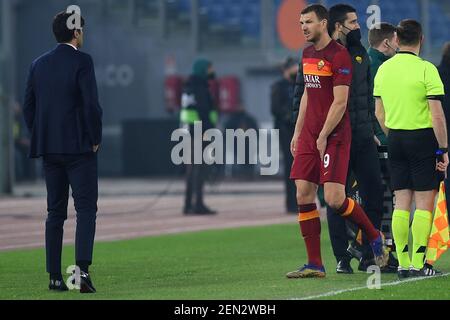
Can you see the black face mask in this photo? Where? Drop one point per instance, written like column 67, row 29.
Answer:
column 354, row 36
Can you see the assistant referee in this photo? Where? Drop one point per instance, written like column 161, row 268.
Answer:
column 408, row 92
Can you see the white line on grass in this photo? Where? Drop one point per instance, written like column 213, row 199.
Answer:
column 387, row 284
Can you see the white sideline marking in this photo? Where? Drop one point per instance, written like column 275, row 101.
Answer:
column 388, row 284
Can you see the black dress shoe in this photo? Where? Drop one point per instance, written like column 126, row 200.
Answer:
column 204, row 210
column 201, row 210
column 188, row 210
column 86, row 285
column 344, row 267
column 57, row 285
column 403, row 274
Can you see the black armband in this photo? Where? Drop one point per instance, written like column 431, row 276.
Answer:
column 438, row 97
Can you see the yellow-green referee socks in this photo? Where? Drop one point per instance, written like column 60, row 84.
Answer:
column 421, row 228
column 400, row 230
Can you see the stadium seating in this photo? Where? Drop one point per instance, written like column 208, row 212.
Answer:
column 236, row 13
column 246, row 15
column 184, row 6
column 394, row 12
column 441, row 25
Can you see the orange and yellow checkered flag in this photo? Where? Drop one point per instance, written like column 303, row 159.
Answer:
column 439, row 237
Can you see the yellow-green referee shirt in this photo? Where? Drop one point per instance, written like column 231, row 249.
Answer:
column 405, row 83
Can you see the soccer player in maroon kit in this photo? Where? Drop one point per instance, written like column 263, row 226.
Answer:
column 322, row 139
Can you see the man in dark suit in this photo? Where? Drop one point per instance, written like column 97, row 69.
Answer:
column 62, row 112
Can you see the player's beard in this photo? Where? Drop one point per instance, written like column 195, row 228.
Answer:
column 316, row 38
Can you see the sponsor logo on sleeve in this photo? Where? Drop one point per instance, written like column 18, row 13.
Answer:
column 344, row 71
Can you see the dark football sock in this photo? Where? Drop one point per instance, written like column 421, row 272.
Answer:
column 352, row 211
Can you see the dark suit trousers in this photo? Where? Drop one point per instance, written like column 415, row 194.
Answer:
column 80, row 173
column 195, row 180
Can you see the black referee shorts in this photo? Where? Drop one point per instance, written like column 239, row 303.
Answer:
column 412, row 160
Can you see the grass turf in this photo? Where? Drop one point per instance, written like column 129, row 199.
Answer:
column 244, row 263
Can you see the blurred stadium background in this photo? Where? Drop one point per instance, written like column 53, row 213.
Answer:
column 143, row 48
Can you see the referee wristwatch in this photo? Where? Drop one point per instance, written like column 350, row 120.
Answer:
column 441, row 151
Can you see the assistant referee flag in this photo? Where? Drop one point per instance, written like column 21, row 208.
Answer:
column 439, row 237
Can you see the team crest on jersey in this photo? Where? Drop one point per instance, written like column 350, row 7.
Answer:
column 359, row 59
column 320, row 65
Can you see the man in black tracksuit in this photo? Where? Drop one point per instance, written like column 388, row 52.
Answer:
column 364, row 160
column 282, row 93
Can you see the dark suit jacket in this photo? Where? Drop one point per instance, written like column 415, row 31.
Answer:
column 61, row 107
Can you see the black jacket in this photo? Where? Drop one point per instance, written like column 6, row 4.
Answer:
column 444, row 71
column 199, row 95
column 281, row 95
column 298, row 93
column 361, row 103
column 61, row 107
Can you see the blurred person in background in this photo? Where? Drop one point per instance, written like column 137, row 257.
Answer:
column 282, row 95
column 444, row 72
column 383, row 45
column 197, row 106
column 64, row 117
column 242, row 120
column 22, row 165
column 364, row 160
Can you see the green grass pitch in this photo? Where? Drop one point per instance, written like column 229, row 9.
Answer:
column 243, row 263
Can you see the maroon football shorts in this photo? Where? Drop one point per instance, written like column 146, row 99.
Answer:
column 308, row 166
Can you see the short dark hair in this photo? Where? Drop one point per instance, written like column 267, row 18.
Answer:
column 379, row 32
column 338, row 13
column 61, row 30
column 409, row 32
column 320, row 11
